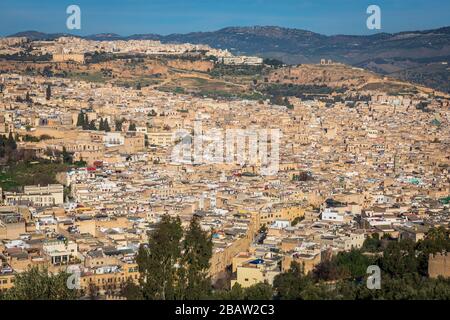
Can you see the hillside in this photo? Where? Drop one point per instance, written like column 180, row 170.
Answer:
column 416, row 56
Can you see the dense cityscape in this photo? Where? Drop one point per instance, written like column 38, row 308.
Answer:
column 145, row 170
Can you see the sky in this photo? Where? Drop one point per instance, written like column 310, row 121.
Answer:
column 126, row 17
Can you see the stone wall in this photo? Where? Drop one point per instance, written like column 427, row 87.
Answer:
column 439, row 265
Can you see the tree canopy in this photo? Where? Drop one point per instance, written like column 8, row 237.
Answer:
column 37, row 284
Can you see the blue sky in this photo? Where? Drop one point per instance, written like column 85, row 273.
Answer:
column 127, row 17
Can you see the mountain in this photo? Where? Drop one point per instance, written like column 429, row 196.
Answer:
column 104, row 37
column 300, row 46
column 148, row 36
column 36, row 35
column 410, row 55
column 254, row 40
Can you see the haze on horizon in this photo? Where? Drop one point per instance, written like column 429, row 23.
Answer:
column 180, row 16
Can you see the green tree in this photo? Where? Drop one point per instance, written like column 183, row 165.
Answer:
column 273, row 62
column 132, row 127
column 101, row 126
column 66, row 156
column 195, row 282
column 290, row 285
column 400, row 264
column 159, row 262
column 80, row 119
column 353, row 263
column 28, row 98
column 236, row 293
column 86, row 122
column 11, row 143
column 259, row 291
column 328, row 270
column 436, row 240
column 399, row 258
column 297, row 220
column 2, row 146
column 92, row 125
column 372, row 243
column 35, row 284
column 131, row 291
column 345, row 265
column 118, row 124
column 263, row 229
column 106, row 126
column 48, row 93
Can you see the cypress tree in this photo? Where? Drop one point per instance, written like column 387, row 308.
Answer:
column 28, row 98
column 172, row 268
column 106, row 126
column 11, row 143
column 80, row 120
column 48, row 93
column 67, row 157
column 86, row 122
column 158, row 263
column 197, row 247
column 2, row 146
column 92, row 125
column 119, row 125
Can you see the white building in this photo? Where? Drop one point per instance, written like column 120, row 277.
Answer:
column 60, row 252
column 331, row 214
column 113, row 138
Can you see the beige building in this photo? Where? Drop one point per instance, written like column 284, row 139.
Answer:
column 66, row 57
column 307, row 260
column 12, row 224
column 6, row 281
column 39, row 196
column 109, row 281
column 253, row 271
column 160, row 138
